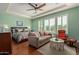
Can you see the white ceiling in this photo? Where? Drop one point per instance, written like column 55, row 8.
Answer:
column 3, row 7
column 22, row 8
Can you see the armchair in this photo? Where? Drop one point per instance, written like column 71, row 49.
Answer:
column 62, row 34
column 68, row 40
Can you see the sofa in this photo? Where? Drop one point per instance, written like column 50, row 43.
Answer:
column 37, row 39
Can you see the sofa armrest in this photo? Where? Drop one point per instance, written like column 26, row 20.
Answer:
column 33, row 40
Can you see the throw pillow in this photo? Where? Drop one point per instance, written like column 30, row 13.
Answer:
column 37, row 34
column 41, row 33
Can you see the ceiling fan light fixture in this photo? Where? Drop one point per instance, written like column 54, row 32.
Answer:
column 36, row 6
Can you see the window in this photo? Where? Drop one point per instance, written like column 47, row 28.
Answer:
column 52, row 25
column 62, row 23
column 46, row 25
column 64, row 20
column 40, row 25
column 59, row 23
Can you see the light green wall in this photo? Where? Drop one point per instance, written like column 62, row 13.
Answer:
column 73, row 21
column 10, row 19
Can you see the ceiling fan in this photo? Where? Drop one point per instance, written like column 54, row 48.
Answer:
column 36, row 6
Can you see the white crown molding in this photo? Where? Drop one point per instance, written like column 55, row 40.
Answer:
column 54, row 11
column 14, row 13
column 11, row 12
column 63, row 7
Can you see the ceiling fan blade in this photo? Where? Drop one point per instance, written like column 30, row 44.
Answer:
column 40, row 9
column 41, row 6
column 31, row 5
column 29, row 9
column 35, row 11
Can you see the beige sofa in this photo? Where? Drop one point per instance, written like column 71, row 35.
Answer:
column 38, row 39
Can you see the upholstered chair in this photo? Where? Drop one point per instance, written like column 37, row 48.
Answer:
column 62, row 34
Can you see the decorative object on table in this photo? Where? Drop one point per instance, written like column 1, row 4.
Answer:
column 19, row 23
column 6, row 28
column 56, row 39
column 1, row 29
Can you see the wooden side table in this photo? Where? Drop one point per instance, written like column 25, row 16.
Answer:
column 71, row 41
column 77, row 47
column 5, row 43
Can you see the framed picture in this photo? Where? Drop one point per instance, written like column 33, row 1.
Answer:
column 19, row 23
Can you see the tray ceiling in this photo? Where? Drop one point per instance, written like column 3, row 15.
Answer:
column 22, row 9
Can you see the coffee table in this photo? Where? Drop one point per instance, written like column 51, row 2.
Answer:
column 57, row 44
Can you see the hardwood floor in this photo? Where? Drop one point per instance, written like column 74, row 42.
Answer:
column 23, row 49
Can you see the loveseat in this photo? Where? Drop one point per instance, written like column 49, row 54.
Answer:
column 37, row 39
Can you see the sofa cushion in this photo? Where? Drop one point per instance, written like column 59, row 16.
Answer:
column 48, row 36
column 46, row 33
column 37, row 34
column 32, row 34
column 41, row 33
column 44, row 37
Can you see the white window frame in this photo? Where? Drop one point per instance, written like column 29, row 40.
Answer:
column 62, row 22
column 45, row 29
column 39, row 25
column 42, row 25
column 52, row 22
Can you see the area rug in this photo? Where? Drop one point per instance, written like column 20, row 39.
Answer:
column 46, row 50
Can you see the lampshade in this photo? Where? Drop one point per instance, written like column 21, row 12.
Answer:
column 5, row 26
column 29, row 28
